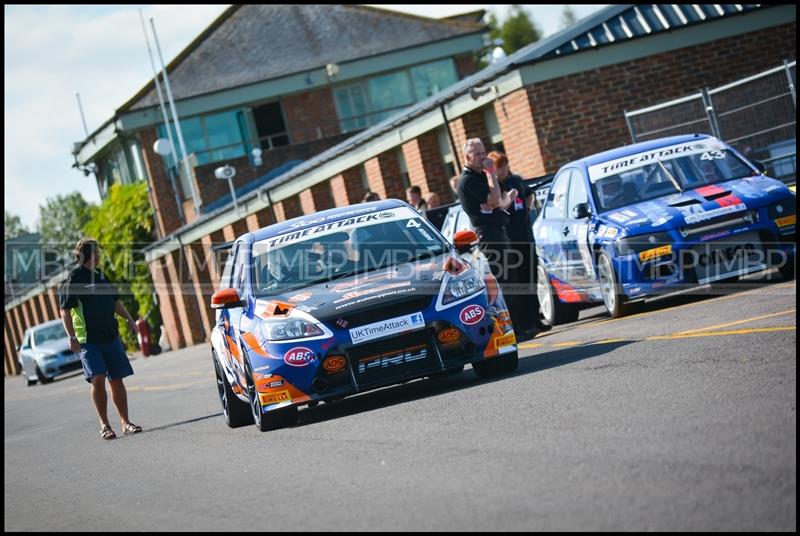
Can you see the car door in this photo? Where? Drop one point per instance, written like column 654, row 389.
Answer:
column 228, row 319
column 549, row 228
column 575, row 235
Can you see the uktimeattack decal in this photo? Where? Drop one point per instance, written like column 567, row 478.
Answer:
column 298, row 357
column 471, row 314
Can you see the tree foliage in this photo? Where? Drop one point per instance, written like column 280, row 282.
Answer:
column 568, row 17
column 122, row 226
column 516, row 31
column 61, row 220
column 13, row 226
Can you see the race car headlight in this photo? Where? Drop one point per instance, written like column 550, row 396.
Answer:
column 462, row 286
column 633, row 245
column 294, row 328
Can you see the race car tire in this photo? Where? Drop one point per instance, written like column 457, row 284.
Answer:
column 787, row 270
column 29, row 382
column 42, row 378
column 502, row 364
column 236, row 412
column 554, row 311
column 614, row 299
column 271, row 420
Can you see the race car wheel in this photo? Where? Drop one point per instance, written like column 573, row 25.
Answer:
column 29, row 382
column 236, row 412
column 610, row 288
column 787, row 270
column 553, row 310
column 271, row 420
column 502, row 364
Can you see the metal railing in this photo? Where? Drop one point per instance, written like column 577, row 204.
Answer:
column 756, row 115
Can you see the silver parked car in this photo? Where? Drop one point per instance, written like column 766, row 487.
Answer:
column 45, row 353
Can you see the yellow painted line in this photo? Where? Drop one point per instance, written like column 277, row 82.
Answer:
column 567, row 343
column 611, row 341
column 721, row 333
column 530, row 345
column 700, row 302
column 753, row 319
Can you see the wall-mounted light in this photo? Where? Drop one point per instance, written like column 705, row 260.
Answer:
column 332, row 70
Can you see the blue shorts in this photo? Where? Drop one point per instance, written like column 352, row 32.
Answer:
column 105, row 358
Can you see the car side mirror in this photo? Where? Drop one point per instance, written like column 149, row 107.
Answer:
column 465, row 240
column 225, row 299
column 760, row 166
column 581, row 211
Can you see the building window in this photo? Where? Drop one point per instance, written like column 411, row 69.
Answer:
column 136, row 158
column 362, row 173
column 211, row 138
column 401, row 162
column 370, row 101
column 447, row 152
column 270, row 126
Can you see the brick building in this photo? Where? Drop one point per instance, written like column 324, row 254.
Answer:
column 549, row 103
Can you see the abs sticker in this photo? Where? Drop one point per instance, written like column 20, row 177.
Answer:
column 471, row 314
column 298, row 357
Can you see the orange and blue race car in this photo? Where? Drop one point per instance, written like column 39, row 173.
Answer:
column 347, row 300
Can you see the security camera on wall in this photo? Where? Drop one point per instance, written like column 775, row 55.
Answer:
column 225, row 172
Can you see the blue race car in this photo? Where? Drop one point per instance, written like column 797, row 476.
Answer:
column 348, row 300
column 657, row 217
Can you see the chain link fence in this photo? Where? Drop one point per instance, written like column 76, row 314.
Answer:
column 756, row 115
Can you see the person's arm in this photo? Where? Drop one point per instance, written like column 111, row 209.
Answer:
column 119, row 308
column 66, row 319
column 494, row 197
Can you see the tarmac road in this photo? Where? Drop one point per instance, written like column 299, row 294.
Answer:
column 680, row 417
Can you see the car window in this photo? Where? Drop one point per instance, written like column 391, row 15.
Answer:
column 556, row 205
column 227, row 274
column 50, row 333
column 577, row 192
column 239, row 272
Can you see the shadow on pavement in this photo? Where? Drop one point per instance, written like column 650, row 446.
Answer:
column 428, row 387
column 180, row 423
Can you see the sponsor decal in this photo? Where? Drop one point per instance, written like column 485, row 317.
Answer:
column 650, row 254
column 618, row 217
column 334, row 364
column 383, row 328
column 389, row 359
column 277, row 383
column 358, row 293
column 393, row 292
column 274, row 398
column 299, row 356
column 611, row 232
column 449, row 335
column 709, row 214
column 303, row 296
column 340, row 225
column 259, row 369
column 626, row 163
column 471, row 314
column 712, row 236
column 786, row 221
column 304, row 223
column 342, row 323
column 505, row 340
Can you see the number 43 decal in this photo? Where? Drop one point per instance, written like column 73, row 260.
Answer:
column 413, row 224
column 711, row 155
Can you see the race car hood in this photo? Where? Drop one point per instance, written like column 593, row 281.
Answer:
column 53, row 347
column 706, row 203
column 362, row 291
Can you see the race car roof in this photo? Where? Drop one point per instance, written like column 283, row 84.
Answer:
column 621, row 152
column 329, row 215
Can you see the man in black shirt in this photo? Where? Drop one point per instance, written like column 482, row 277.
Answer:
column 88, row 302
column 520, row 234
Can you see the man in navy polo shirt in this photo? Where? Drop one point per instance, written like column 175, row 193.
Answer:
column 88, row 302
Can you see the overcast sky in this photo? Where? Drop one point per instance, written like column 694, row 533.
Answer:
column 53, row 52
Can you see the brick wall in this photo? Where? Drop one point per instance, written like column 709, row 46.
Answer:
column 582, row 114
column 347, row 188
column 515, row 117
column 162, row 195
column 383, row 176
column 426, row 167
column 465, row 65
column 310, row 116
column 469, row 125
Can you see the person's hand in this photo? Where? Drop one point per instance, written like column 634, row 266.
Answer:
column 132, row 326
column 74, row 345
column 488, row 165
column 512, row 193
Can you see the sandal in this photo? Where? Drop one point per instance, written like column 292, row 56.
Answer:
column 131, row 428
column 107, row 433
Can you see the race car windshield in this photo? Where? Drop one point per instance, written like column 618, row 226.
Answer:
column 658, row 177
column 324, row 257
